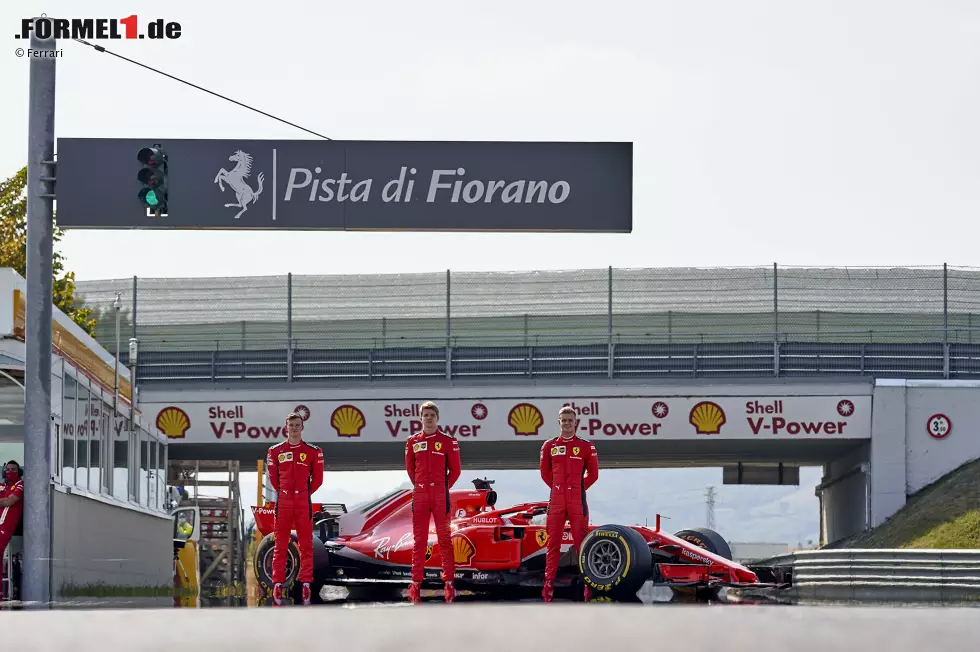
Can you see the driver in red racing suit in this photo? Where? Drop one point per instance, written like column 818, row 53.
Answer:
column 569, row 466
column 296, row 472
column 433, row 465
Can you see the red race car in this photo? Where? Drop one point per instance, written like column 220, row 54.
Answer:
column 498, row 551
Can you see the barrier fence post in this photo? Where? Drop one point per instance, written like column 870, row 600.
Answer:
column 40, row 276
column 609, row 350
column 289, row 327
column 775, row 320
column 945, row 322
column 449, row 350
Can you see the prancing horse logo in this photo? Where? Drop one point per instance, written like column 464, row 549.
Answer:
column 236, row 180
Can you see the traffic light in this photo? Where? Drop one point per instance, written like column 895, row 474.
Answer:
column 153, row 176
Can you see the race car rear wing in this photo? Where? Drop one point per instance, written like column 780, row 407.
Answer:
column 330, row 509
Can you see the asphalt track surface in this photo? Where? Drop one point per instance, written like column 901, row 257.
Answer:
column 477, row 627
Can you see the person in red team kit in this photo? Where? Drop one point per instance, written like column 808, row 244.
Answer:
column 296, row 472
column 569, row 466
column 433, row 465
column 11, row 502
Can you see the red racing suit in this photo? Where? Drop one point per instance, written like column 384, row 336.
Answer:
column 296, row 472
column 569, row 467
column 433, row 466
column 10, row 516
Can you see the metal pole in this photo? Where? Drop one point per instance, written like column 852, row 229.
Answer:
column 449, row 352
column 133, row 317
column 40, row 277
column 117, row 304
column 945, row 305
column 609, row 314
column 289, row 327
column 775, row 302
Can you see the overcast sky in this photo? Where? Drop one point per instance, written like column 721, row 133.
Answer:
column 821, row 133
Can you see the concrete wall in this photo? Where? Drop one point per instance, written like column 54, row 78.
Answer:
column 98, row 543
column 888, row 455
column 843, row 493
column 929, row 457
column 907, row 454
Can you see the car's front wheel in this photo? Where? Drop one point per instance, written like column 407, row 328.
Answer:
column 614, row 561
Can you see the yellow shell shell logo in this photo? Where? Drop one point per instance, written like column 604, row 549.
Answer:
column 348, row 421
column 173, row 422
column 525, row 419
column 541, row 536
column 707, row 417
column 463, row 550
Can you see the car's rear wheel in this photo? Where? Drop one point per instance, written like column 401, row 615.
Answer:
column 262, row 562
column 614, row 561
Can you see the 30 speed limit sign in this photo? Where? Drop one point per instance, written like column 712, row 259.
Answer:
column 939, row 426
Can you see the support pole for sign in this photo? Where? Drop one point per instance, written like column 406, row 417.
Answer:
column 36, row 578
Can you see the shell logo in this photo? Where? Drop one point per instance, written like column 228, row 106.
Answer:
column 707, row 417
column 525, row 419
column 173, row 422
column 348, row 421
column 463, row 550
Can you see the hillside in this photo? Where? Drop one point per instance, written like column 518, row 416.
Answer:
column 944, row 515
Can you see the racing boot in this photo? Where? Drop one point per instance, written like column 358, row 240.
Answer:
column 414, row 593
column 450, row 592
column 277, row 594
column 307, row 594
column 548, row 592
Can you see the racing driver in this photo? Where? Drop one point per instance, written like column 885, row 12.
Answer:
column 296, row 472
column 433, row 465
column 569, row 466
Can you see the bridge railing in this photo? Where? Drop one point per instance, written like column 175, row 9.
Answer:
column 909, row 353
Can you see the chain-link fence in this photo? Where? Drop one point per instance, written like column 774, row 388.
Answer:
column 543, row 308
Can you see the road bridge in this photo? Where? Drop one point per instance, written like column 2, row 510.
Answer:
column 808, row 366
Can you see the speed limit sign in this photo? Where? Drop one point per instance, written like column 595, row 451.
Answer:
column 939, row 426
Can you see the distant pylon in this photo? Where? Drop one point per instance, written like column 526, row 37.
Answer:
column 710, row 502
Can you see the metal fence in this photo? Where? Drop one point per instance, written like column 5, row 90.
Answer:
column 778, row 320
column 883, row 575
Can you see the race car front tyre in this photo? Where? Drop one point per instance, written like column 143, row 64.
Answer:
column 262, row 562
column 707, row 539
column 614, row 561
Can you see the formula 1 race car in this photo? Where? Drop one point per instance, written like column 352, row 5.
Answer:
column 499, row 551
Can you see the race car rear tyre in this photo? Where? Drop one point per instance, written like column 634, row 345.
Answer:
column 262, row 562
column 614, row 561
column 707, row 539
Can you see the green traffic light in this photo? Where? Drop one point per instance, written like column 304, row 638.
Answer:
column 151, row 198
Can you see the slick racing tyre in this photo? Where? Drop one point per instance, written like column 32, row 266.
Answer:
column 707, row 539
column 262, row 562
column 614, row 561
